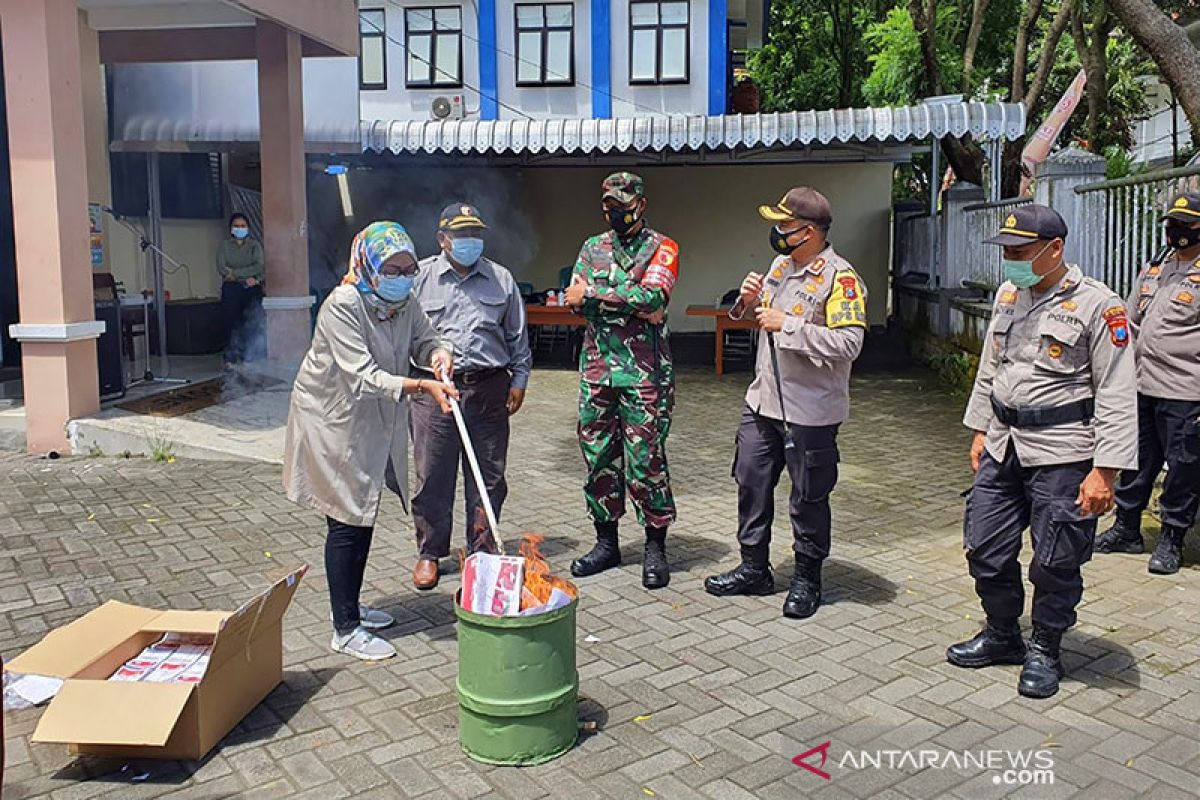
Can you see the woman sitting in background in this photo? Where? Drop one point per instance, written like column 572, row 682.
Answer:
column 241, row 267
column 347, row 433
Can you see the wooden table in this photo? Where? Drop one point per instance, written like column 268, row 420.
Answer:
column 724, row 323
column 537, row 315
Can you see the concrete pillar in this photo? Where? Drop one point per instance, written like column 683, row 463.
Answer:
column 95, row 127
column 49, row 188
column 1057, row 178
column 285, row 207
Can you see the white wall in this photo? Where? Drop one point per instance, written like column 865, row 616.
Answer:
column 548, row 101
column 1152, row 136
column 192, row 242
column 539, row 217
column 399, row 103
column 689, row 98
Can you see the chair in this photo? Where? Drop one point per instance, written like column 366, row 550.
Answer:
column 564, row 276
column 526, row 290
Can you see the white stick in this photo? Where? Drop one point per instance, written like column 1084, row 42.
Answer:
column 483, row 492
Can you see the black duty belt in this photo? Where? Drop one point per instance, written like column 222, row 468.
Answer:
column 1044, row 416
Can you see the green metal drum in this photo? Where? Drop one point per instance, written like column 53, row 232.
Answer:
column 517, row 686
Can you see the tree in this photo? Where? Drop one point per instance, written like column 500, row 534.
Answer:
column 1167, row 43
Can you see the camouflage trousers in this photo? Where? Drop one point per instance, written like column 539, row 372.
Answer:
column 623, row 435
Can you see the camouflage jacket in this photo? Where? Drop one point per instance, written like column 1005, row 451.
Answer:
column 626, row 280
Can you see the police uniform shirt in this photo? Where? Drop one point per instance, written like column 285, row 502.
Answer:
column 1165, row 311
column 826, row 322
column 1067, row 345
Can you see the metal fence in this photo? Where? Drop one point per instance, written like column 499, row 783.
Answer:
column 967, row 259
column 1124, row 219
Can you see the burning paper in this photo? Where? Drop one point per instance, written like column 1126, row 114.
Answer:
column 509, row 586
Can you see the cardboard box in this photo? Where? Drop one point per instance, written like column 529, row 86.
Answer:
column 144, row 719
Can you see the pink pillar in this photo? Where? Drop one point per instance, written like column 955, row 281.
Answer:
column 42, row 77
column 285, row 208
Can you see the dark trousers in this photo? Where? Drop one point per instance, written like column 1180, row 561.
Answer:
column 346, row 549
column 1168, row 433
column 438, row 455
column 241, row 306
column 812, row 466
column 1006, row 499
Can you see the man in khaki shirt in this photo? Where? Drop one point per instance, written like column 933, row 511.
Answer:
column 1165, row 311
column 1054, row 415
column 812, row 307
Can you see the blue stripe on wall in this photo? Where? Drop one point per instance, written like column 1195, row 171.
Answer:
column 489, row 107
column 718, row 56
column 601, row 59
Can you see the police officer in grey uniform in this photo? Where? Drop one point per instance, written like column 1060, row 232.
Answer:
column 1165, row 313
column 1053, row 410
column 811, row 305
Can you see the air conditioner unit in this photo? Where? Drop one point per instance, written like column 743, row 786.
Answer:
column 451, row 107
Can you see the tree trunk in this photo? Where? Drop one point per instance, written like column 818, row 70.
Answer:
column 1021, row 50
column 925, row 22
column 1168, row 45
column 1046, row 63
column 1093, row 55
column 978, row 10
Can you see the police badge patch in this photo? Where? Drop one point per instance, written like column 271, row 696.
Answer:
column 1118, row 326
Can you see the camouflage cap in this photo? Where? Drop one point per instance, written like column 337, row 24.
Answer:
column 624, row 187
column 1185, row 208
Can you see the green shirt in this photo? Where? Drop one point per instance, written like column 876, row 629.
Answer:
column 244, row 259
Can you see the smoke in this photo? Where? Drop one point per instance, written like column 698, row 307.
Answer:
column 414, row 196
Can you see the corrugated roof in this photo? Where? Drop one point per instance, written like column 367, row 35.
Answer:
column 692, row 133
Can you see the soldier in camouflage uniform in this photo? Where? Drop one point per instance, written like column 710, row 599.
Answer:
column 621, row 285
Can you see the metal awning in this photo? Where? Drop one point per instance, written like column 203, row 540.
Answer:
column 679, row 133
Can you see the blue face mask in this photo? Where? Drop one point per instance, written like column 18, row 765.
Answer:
column 1021, row 273
column 394, row 288
column 240, row 233
column 466, row 251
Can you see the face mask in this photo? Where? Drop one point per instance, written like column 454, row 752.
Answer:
column 622, row 220
column 1021, row 272
column 1181, row 238
column 466, row 251
column 240, row 233
column 394, row 288
column 780, row 244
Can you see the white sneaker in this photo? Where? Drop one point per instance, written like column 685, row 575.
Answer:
column 372, row 618
column 361, row 643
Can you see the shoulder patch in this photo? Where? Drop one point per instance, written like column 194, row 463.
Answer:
column 1153, row 270
column 664, row 267
column 845, row 306
column 1008, row 297
column 1118, row 325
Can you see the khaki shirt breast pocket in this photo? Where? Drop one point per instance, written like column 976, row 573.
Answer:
column 1001, row 328
column 1183, row 307
column 1062, row 347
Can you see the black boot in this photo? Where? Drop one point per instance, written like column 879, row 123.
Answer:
column 804, row 596
column 656, row 573
column 999, row 642
column 1043, row 667
column 1168, row 553
column 752, row 576
column 605, row 555
column 1125, row 536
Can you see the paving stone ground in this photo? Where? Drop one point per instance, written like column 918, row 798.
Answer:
column 696, row 696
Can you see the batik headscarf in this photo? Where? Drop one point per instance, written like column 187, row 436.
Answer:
column 373, row 246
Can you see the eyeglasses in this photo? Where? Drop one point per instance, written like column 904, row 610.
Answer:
column 395, row 272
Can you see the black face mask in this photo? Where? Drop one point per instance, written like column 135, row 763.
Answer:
column 780, row 244
column 1181, row 237
column 622, row 220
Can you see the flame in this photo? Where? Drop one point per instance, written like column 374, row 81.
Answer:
column 539, row 583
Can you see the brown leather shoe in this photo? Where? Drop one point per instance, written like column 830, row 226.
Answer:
column 425, row 574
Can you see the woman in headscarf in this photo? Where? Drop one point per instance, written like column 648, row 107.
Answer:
column 347, row 433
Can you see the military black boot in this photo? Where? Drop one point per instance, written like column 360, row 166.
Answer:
column 999, row 642
column 752, row 576
column 804, row 596
column 656, row 573
column 605, row 555
column 1168, row 553
column 1125, row 536
column 1043, row 667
